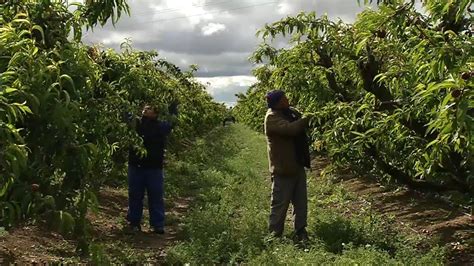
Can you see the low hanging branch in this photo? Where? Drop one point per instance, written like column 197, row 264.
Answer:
column 405, row 179
column 369, row 70
column 326, row 62
column 397, row 29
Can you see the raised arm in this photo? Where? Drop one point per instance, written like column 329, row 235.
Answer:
column 277, row 125
column 165, row 127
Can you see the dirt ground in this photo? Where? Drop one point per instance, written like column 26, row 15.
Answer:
column 31, row 244
column 448, row 225
column 424, row 214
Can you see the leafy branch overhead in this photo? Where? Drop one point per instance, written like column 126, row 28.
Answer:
column 63, row 110
column 392, row 92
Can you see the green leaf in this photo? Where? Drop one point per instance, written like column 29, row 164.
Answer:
column 361, row 45
column 21, row 20
column 67, row 222
column 40, row 30
column 8, row 90
column 6, row 185
column 358, row 134
column 68, row 79
column 67, row 98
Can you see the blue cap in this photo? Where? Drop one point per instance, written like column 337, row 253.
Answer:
column 273, row 97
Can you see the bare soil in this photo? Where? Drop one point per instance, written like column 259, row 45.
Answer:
column 429, row 215
column 423, row 214
column 31, row 244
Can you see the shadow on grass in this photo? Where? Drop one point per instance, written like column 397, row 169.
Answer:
column 338, row 232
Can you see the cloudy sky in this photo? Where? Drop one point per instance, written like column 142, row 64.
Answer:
column 217, row 35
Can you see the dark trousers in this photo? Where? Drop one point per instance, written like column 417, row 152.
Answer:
column 151, row 180
column 285, row 190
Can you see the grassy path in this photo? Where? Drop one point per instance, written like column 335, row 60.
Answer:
column 228, row 219
column 218, row 195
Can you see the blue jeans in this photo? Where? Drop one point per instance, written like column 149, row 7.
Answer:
column 150, row 179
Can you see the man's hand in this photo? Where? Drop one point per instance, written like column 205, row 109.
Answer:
column 127, row 117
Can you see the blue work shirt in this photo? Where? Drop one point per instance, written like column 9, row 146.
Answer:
column 154, row 134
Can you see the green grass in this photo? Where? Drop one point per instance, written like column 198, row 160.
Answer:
column 228, row 177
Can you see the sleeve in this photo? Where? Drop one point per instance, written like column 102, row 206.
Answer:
column 129, row 119
column 296, row 113
column 275, row 124
column 164, row 128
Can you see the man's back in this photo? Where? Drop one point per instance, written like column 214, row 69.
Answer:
column 281, row 134
column 154, row 134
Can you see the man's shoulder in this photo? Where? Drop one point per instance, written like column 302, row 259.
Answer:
column 269, row 113
column 274, row 113
column 273, row 116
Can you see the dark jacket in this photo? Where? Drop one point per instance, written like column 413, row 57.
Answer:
column 154, row 134
column 301, row 140
column 288, row 150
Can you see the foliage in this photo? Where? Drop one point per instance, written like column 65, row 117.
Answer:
column 62, row 129
column 391, row 94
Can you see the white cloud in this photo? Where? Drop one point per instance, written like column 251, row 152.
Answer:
column 223, row 89
column 284, row 8
column 191, row 10
column 230, row 104
column 115, row 38
column 226, row 84
column 217, row 35
column 212, row 28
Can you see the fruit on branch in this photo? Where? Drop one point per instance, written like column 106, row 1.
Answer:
column 456, row 93
column 34, row 187
column 381, row 34
column 467, row 75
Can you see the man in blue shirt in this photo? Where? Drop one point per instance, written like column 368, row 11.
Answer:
column 146, row 172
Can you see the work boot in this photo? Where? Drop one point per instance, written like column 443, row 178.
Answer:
column 301, row 237
column 132, row 229
column 159, row 230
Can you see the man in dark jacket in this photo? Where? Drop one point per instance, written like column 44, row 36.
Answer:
column 288, row 155
column 146, row 172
